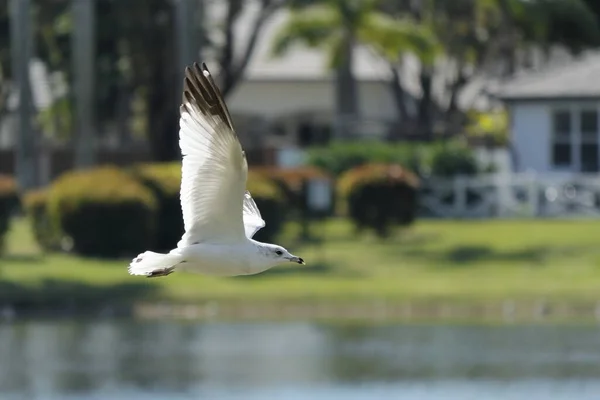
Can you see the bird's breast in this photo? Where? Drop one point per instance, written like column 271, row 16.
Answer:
column 219, row 259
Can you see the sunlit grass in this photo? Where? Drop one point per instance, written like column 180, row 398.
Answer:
column 434, row 260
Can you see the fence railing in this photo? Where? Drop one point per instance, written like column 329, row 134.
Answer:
column 512, row 195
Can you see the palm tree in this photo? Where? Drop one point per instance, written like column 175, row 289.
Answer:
column 338, row 26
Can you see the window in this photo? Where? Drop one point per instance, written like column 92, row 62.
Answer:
column 589, row 140
column 589, row 157
column 561, row 139
column 310, row 134
column 588, row 122
column 575, row 139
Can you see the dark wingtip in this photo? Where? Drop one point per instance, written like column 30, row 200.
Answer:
column 200, row 88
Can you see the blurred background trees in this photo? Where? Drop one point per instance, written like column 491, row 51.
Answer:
column 137, row 79
column 141, row 47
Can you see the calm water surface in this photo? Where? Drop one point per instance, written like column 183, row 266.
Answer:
column 128, row 360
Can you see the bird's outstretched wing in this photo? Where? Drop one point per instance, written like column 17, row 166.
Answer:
column 214, row 167
column 252, row 219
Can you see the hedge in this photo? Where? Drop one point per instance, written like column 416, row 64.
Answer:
column 113, row 212
column 292, row 181
column 379, row 196
column 339, row 157
column 444, row 158
column 271, row 202
column 104, row 211
column 164, row 180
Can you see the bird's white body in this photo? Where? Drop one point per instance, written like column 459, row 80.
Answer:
column 219, row 214
column 206, row 258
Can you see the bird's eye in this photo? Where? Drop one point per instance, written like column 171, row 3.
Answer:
column 279, row 252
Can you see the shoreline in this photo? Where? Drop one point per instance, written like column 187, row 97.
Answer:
column 424, row 311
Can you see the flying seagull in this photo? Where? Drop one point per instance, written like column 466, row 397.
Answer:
column 220, row 217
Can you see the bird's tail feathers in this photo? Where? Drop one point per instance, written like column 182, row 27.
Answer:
column 153, row 264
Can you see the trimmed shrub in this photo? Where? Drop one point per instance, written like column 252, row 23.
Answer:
column 164, row 180
column 36, row 208
column 379, row 196
column 452, row 158
column 270, row 201
column 444, row 158
column 9, row 201
column 342, row 156
column 291, row 181
column 104, row 211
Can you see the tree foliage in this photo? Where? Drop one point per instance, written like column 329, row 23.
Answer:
column 338, row 27
column 454, row 41
column 136, row 75
column 489, row 38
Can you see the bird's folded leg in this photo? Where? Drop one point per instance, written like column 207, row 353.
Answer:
column 161, row 272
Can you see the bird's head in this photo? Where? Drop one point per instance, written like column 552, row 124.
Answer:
column 278, row 254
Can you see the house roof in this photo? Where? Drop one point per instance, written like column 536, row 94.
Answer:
column 577, row 79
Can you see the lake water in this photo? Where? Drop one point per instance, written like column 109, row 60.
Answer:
column 129, row 360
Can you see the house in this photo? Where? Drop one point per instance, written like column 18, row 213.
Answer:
column 554, row 117
column 289, row 101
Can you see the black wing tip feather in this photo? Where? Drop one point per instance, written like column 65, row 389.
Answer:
column 200, row 89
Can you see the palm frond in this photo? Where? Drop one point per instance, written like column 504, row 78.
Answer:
column 392, row 37
column 311, row 26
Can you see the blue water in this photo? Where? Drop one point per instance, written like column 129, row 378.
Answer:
column 129, row 360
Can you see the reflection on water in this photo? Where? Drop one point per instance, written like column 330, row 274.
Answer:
column 178, row 360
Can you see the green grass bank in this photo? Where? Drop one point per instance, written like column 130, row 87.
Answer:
column 524, row 269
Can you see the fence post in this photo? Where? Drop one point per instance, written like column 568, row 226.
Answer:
column 504, row 195
column 532, row 194
column 460, row 196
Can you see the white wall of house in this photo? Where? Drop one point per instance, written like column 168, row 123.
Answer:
column 274, row 99
column 530, row 135
column 560, row 137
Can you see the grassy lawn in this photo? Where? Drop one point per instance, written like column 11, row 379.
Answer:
column 453, row 261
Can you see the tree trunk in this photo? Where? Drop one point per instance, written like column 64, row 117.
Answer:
column 400, row 98
column 163, row 95
column 163, row 116
column 399, row 95
column 426, row 103
column 232, row 68
column 345, row 90
column 123, row 115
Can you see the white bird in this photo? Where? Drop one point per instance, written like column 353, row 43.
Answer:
column 220, row 217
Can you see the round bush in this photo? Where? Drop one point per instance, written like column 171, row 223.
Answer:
column 104, row 211
column 379, row 196
column 9, row 201
column 164, row 180
column 270, row 201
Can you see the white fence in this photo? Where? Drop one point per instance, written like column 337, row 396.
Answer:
column 512, row 195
